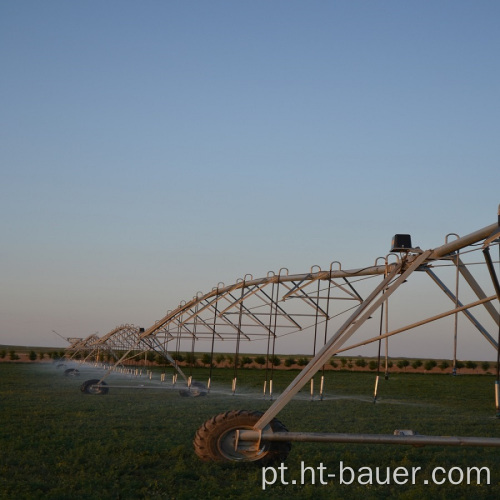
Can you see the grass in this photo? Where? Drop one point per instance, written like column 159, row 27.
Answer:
column 58, row 443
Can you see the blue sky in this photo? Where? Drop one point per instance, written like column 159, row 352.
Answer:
column 152, row 149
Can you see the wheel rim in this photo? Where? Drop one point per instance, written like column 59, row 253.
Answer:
column 94, row 389
column 247, row 451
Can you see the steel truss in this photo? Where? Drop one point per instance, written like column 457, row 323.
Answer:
column 329, row 305
column 81, row 347
column 226, row 441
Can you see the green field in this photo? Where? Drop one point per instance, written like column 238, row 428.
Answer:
column 58, row 443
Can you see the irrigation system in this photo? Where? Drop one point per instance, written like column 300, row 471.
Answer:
column 339, row 310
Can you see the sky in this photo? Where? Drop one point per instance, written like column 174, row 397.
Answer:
column 152, row 149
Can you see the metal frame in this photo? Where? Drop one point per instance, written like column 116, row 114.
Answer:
column 281, row 304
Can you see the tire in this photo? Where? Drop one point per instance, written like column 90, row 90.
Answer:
column 71, row 372
column 196, row 389
column 93, row 387
column 214, row 440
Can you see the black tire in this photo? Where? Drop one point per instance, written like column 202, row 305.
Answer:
column 93, row 387
column 196, row 389
column 71, row 372
column 214, row 440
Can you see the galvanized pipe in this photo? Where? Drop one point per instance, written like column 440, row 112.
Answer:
column 414, row 440
column 463, row 242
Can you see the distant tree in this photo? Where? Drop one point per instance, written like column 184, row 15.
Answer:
column 485, row 366
column 159, row 359
column 417, row 364
column 220, row 358
column 61, row 354
column 3, row 353
column 13, row 356
column 260, row 360
column 206, row 359
column 246, row 360
column 191, row 358
column 444, row 365
column 302, row 361
column 333, row 363
column 471, row 365
column 343, row 362
column 402, row 364
column 150, row 356
column 289, row 362
column 41, row 355
column 32, row 356
column 429, row 365
column 459, row 365
column 275, row 360
column 229, row 358
column 177, row 356
column 373, row 365
column 390, row 364
column 361, row 362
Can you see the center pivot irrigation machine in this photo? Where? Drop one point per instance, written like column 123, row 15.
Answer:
column 332, row 307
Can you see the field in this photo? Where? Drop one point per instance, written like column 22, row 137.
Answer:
column 58, row 443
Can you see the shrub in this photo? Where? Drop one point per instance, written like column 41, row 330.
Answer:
column 3, row 353
column 32, row 356
column 177, row 356
column 443, row 365
column 41, row 355
column 343, row 362
column 246, row 360
column 402, row 364
column 206, row 359
column 220, row 358
column 429, row 365
column 471, row 365
column 13, row 356
column 333, row 363
column 361, row 362
column 275, row 360
column 302, row 361
column 191, row 358
column 260, row 360
column 459, row 365
column 485, row 366
column 289, row 362
column 150, row 356
column 373, row 365
column 416, row 364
